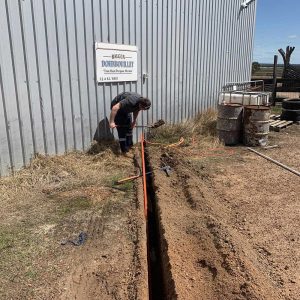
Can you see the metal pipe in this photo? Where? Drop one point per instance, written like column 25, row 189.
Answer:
column 275, row 161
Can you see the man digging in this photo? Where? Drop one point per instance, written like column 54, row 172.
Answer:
column 120, row 117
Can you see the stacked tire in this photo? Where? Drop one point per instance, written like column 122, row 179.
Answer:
column 291, row 110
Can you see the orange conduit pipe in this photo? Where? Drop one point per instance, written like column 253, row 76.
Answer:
column 144, row 175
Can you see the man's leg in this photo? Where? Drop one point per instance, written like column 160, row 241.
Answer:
column 124, row 131
column 122, row 127
column 122, row 139
column 129, row 142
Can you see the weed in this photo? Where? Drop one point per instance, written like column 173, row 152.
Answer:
column 110, row 181
column 73, row 204
column 6, row 240
column 31, row 274
column 127, row 186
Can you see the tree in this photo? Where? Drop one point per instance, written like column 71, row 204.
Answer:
column 286, row 58
column 255, row 67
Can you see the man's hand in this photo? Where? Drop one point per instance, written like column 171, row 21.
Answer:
column 112, row 116
column 133, row 124
column 112, row 125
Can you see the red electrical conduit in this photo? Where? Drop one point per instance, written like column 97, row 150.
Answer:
column 144, row 176
column 154, row 287
column 146, row 209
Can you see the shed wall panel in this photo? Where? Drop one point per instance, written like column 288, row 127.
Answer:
column 50, row 101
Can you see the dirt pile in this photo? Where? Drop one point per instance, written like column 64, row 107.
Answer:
column 230, row 219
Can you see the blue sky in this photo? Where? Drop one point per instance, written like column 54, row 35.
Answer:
column 277, row 26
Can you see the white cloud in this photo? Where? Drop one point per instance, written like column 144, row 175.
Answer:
column 293, row 36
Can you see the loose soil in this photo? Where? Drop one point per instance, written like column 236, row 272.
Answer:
column 229, row 222
column 230, row 219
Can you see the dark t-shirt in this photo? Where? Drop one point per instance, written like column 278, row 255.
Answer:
column 129, row 102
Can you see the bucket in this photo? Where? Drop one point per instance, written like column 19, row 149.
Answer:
column 256, row 125
column 229, row 123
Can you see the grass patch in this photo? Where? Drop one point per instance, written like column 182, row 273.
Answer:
column 42, row 204
column 31, row 274
column 16, row 247
column 125, row 187
column 276, row 110
column 203, row 126
column 73, row 204
column 16, row 236
column 6, row 240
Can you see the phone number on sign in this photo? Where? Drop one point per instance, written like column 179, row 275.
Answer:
column 108, row 78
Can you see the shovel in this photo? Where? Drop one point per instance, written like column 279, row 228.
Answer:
column 154, row 125
column 167, row 169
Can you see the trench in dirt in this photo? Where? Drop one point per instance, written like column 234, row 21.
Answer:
column 160, row 282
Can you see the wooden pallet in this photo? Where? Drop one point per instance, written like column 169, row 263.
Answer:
column 274, row 117
column 277, row 125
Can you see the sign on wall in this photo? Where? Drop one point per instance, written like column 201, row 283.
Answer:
column 115, row 62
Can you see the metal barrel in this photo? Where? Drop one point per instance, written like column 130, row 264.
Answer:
column 256, row 125
column 229, row 123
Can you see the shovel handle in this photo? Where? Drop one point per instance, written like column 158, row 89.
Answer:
column 138, row 126
column 127, row 179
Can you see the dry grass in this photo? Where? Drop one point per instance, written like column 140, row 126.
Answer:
column 50, row 200
column 202, row 129
column 64, row 172
column 54, row 185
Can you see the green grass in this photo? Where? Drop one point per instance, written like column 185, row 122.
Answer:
column 31, row 274
column 72, row 205
column 16, row 246
column 6, row 240
column 276, row 110
column 125, row 187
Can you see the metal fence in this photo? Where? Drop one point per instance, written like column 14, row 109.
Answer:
column 50, row 101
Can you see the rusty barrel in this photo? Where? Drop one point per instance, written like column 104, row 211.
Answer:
column 256, row 125
column 229, row 123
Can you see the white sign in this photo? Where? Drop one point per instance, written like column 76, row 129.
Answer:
column 116, row 62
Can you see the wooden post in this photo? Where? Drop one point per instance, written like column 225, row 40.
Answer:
column 274, row 80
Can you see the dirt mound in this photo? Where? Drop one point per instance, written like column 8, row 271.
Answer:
column 229, row 220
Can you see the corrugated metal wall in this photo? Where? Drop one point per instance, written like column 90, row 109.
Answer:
column 49, row 100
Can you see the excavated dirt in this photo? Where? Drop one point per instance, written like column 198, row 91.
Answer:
column 230, row 220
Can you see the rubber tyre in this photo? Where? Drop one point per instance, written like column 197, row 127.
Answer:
column 290, row 114
column 291, row 103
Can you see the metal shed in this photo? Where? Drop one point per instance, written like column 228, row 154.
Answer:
column 50, row 101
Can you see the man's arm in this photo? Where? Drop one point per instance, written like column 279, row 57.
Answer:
column 135, row 115
column 113, row 114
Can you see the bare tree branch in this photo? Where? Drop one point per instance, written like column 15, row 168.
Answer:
column 282, row 54
column 286, row 56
